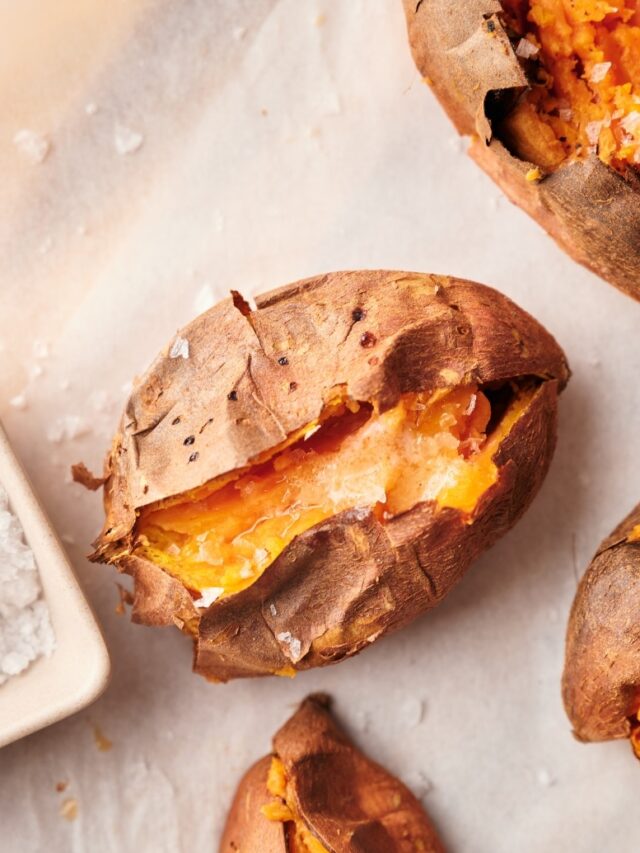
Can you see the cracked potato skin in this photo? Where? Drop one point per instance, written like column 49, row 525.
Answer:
column 591, row 210
column 348, row 802
column 601, row 681
column 348, row 580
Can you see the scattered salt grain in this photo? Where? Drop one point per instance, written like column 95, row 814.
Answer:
column 420, row 784
column 413, row 711
column 599, row 72
column 566, row 114
column 593, row 131
column 544, row 778
column 126, row 140
column 272, row 609
column 67, row 428
column 208, row 595
column 19, row 401
column 35, row 371
column 25, row 626
column 91, row 108
column 363, row 721
column 631, row 121
column 204, row 299
column 239, row 33
column 526, row 49
column 180, row 348
column 292, row 643
column 33, row 146
column 64, row 385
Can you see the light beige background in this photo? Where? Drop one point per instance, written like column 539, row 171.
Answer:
column 283, row 138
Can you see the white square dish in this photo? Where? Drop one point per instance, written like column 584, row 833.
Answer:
column 77, row 672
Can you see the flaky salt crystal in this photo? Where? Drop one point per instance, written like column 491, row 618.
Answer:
column 91, row 108
column 593, row 131
column 419, row 783
column 631, row 121
column 526, row 49
column 19, row 401
column 180, row 348
column 599, row 72
column 34, row 146
column 544, row 778
column 126, row 140
column 292, row 643
column 208, row 595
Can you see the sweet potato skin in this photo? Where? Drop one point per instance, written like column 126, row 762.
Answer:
column 601, row 680
column 246, row 829
column 348, row 802
column 592, row 211
column 348, row 580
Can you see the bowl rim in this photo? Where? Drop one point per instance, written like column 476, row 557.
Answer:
column 78, row 670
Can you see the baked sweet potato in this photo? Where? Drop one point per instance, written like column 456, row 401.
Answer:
column 601, row 681
column 549, row 92
column 292, row 482
column 318, row 793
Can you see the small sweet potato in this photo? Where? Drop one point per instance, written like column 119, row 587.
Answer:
column 318, row 793
column 548, row 92
column 292, row 482
column 601, row 681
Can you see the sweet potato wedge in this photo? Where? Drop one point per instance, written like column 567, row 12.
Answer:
column 555, row 123
column 292, row 482
column 601, row 681
column 317, row 793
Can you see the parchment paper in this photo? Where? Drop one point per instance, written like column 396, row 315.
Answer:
column 281, row 138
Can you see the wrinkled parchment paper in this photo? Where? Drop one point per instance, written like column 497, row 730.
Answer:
column 177, row 150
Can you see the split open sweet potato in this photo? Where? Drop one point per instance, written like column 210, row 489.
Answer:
column 317, row 793
column 549, row 91
column 292, row 482
column 601, row 682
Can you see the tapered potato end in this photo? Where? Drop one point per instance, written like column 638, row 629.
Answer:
column 601, row 681
column 331, row 798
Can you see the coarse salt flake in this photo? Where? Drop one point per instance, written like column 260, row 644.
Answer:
column 126, row 140
column 630, row 122
column 33, row 146
column 526, row 49
column 25, row 626
column 19, row 401
column 180, row 348
column 208, row 595
column 593, row 131
column 292, row 643
column 599, row 72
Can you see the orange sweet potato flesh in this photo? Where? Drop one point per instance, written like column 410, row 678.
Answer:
column 318, row 793
column 601, row 681
column 324, row 468
column 548, row 90
column 584, row 60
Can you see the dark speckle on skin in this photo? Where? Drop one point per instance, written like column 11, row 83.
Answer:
column 293, row 386
column 175, row 421
column 283, row 360
column 194, row 456
column 368, row 340
column 189, row 440
column 358, row 314
column 232, row 395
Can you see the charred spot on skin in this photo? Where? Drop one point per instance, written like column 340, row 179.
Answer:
column 189, row 440
column 368, row 340
column 175, row 421
column 293, row 386
column 232, row 395
column 145, row 490
column 194, row 456
column 283, row 361
column 358, row 314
